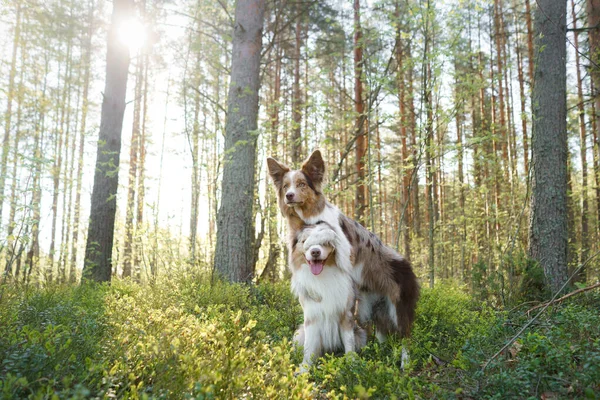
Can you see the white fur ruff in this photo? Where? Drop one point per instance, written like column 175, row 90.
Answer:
column 324, row 299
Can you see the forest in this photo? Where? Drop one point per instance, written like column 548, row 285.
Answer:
column 143, row 253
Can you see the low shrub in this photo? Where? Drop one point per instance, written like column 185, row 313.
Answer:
column 447, row 318
column 50, row 341
column 187, row 338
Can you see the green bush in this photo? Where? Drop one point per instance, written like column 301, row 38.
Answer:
column 182, row 337
column 207, row 349
column 50, row 340
column 447, row 318
column 558, row 355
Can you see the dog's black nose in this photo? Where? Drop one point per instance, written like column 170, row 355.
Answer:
column 289, row 196
column 315, row 253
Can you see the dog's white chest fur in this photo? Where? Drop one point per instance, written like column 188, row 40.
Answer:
column 324, row 300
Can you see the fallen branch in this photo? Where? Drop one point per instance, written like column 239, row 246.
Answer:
column 545, row 306
column 585, row 289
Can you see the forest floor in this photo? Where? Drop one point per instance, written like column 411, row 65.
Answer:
column 184, row 338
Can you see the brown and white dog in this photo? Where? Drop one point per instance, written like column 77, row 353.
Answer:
column 387, row 286
column 326, row 292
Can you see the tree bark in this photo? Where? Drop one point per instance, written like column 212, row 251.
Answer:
column 57, row 167
column 549, row 221
column 297, row 97
column 523, row 96
column 33, row 254
column 82, row 134
column 406, row 203
column 8, row 114
column 11, row 254
column 235, row 233
column 460, row 117
column 270, row 271
column 499, row 34
column 593, row 20
column 583, row 254
column 360, row 132
column 596, row 157
column 529, row 39
column 141, row 189
column 429, row 150
column 416, row 215
column 128, row 247
column 98, row 252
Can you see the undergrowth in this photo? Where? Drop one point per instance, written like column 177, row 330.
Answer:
column 185, row 338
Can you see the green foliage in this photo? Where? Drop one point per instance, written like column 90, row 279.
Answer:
column 185, row 338
column 207, row 349
column 51, row 339
column 558, row 355
column 533, row 284
column 375, row 374
column 446, row 319
column 178, row 338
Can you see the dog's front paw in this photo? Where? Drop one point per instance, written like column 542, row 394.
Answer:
column 405, row 358
column 304, row 368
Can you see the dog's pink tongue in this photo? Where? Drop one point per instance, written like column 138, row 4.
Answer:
column 316, row 266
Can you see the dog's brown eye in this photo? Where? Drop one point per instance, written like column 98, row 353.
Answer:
column 301, row 184
column 286, row 186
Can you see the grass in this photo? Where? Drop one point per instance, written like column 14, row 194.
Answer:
column 183, row 338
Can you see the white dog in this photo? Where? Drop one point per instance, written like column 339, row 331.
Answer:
column 326, row 292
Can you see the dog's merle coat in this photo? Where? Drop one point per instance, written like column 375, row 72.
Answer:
column 388, row 288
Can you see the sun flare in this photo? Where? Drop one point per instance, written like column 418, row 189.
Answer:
column 132, row 33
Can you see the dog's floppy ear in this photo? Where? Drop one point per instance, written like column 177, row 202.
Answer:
column 314, row 167
column 277, row 170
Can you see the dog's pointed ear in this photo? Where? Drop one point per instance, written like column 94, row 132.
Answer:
column 277, row 170
column 314, row 167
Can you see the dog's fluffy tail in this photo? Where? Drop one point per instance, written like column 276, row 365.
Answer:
column 409, row 294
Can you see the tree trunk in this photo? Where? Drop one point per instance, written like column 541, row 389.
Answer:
column 66, row 174
column 11, row 253
column 416, row 216
column 82, row 135
column 33, row 254
column 98, row 252
column 529, row 40
column 523, row 96
column 596, row 157
column 141, row 189
column 297, row 98
column 593, row 21
column 235, row 233
column 128, row 247
column 583, row 254
column 361, row 140
column 499, row 34
column 429, row 149
column 57, row 167
column 194, row 141
column 549, row 221
column 270, row 271
column 8, row 114
column 405, row 211
column 460, row 156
